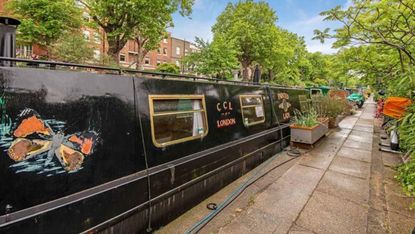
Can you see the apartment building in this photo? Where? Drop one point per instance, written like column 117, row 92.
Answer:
column 128, row 55
column 170, row 50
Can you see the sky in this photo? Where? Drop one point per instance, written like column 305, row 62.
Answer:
column 298, row 16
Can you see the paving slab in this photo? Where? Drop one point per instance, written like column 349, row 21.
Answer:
column 361, row 136
column 351, row 167
column 295, row 229
column 348, row 122
column 329, row 214
column 253, row 221
column 364, row 128
column 316, row 160
column 401, row 224
column 357, row 144
column 389, row 174
column 377, row 222
column 362, row 121
column 397, row 201
column 391, row 160
column 279, row 205
column 354, row 153
column 345, row 186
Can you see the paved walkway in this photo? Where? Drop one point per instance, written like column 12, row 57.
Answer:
column 344, row 185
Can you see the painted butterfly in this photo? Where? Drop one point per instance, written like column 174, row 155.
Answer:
column 33, row 136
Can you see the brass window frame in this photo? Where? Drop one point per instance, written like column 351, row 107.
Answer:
column 250, row 106
column 151, row 99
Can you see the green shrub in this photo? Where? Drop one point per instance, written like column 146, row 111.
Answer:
column 308, row 119
column 406, row 172
column 406, row 175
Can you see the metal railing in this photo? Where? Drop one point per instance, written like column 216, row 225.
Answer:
column 54, row 65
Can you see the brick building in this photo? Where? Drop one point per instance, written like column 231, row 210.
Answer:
column 128, row 55
column 171, row 49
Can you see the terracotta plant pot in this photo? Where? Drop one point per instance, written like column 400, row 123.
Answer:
column 334, row 122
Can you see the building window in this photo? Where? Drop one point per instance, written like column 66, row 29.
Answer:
column 178, row 50
column 178, row 63
column 186, row 51
column 97, row 54
column 158, row 62
column 252, row 108
column 86, row 35
column 165, row 51
column 158, row 51
column 122, row 58
column 164, row 40
column 132, row 57
column 147, row 61
column 177, row 118
column 97, row 37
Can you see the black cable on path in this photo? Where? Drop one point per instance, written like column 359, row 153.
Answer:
column 200, row 224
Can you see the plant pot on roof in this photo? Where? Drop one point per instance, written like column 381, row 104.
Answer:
column 306, row 128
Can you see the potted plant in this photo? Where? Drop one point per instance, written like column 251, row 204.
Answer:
column 320, row 106
column 306, row 128
column 335, row 109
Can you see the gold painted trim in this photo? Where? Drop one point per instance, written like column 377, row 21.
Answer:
column 151, row 98
column 249, row 106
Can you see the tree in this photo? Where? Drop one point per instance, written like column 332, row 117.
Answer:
column 218, row 58
column 168, row 68
column 43, row 22
column 388, row 23
column 247, row 24
column 126, row 19
column 72, row 47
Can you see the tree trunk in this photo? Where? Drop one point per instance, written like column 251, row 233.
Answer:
column 141, row 51
column 113, row 52
column 401, row 60
column 245, row 70
column 115, row 45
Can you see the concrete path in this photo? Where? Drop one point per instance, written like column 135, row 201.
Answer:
column 344, row 185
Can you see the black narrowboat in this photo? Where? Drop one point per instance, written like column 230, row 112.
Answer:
column 88, row 152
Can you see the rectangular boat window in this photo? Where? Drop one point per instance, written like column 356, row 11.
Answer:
column 252, row 108
column 177, row 118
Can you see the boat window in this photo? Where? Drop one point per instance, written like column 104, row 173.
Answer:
column 252, row 108
column 177, row 118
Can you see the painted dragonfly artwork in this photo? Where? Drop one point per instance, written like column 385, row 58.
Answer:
column 34, row 137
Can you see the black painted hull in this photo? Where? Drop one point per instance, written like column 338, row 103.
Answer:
column 127, row 177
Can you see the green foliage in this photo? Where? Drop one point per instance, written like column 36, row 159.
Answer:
column 43, row 22
column 168, row 68
column 72, row 47
column 335, row 107
column 249, row 26
column 406, row 129
column 306, row 119
column 406, row 175
column 127, row 19
column 217, row 59
column 387, row 23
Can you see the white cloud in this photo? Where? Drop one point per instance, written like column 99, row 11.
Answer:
column 315, row 20
column 316, row 46
column 348, row 4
